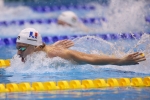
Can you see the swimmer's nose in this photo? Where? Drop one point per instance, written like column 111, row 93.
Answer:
column 19, row 52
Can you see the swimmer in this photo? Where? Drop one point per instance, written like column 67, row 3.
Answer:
column 30, row 41
column 69, row 18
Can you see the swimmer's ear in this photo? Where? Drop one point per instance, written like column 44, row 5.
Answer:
column 39, row 48
column 36, row 48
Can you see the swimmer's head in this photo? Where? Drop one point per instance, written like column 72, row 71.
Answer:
column 27, row 40
column 29, row 36
column 68, row 18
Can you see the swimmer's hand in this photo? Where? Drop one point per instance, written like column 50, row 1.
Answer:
column 132, row 59
column 64, row 43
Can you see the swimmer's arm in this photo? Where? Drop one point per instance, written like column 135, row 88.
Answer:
column 132, row 59
column 61, row 44
column 93, row 59
column 64, row 43
column 83, row 58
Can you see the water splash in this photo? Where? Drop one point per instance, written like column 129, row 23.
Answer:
column 123, row 16
column 38, row 62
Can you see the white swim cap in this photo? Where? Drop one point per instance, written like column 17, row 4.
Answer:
column 69, row 17
column 30, row 36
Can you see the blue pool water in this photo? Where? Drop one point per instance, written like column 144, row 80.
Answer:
column 38, row 68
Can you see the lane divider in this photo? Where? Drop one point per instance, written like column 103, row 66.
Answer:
column 44, row 9
column 72, row 84
column 52, row 39
column 54, row 20
column 4, row 63
column 75, row 84
column 49, row 21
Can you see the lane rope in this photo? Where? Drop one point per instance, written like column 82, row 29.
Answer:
column 75, row 84
column 52, row 39
column 49, row 21
column 72, row 84
column 45, row 9
column 4, row 63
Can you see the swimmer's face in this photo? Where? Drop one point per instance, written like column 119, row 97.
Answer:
column 24, row 50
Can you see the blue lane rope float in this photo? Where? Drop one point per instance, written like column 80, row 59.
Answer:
column 49, row 21
column 147, row 19
column 54, row 20
column 52, row 39
column 44, row 9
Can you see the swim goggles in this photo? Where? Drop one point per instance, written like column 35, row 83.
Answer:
column 22, row 48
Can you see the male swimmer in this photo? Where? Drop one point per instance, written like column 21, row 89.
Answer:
column 29, row 41
column 69, row 18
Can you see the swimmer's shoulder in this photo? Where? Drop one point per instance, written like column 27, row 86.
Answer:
column 54, row 51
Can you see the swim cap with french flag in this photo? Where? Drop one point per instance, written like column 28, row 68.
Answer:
column 30, row 36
